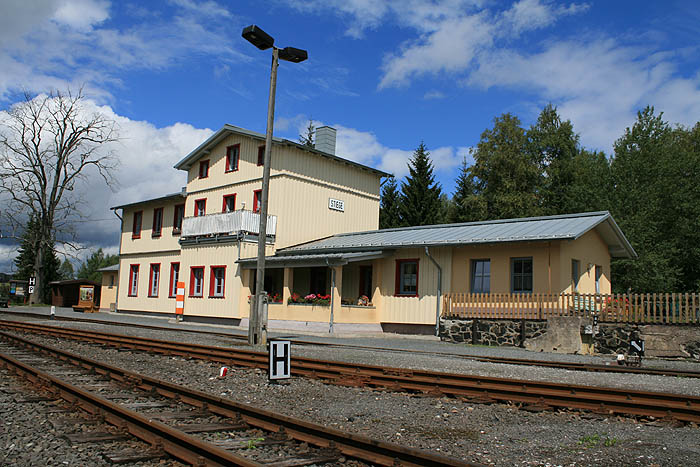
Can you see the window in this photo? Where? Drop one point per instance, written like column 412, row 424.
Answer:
column 575, row 269
column 177, row 218
column 257, row 200
column 598, row 275
column 407, row 277
column 217, row 281
column 174, row 277
column 200, row 207
column 481, row 276
column 204, row 169
column 521, row 275
column 133, row 280
column 136, row 228
column 229, row 203
column 261, row 155
column 157, row 222
column 154, row 280
column 196, row 281
column 233, row 155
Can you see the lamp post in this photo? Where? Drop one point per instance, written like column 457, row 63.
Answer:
column 257, row 323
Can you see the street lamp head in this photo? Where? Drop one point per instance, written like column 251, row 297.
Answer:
column 258, row 37
column 292, row 54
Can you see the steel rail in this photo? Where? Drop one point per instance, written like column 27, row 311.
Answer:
column 543, row 394
column 351, row 445
column 186, row 448
column 572, row 366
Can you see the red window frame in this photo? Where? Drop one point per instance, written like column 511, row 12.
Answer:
column 136, row 232
column 204, row 207
column 172, row 290
column 257, row 200
column 397, row 285
column 156, row 213
column 261, row 155
column 177, row 223
column 155, row 267
column 226, row 198
column 192, row 284
column 229, row 154
column 133, row 271
column 204, row 169
column 212, row 282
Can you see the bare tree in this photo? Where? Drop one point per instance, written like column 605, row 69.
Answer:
column 48, row 144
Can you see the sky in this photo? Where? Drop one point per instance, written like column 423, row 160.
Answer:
column 387, row 74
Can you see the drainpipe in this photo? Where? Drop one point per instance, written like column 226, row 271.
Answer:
column 121, row 231
column 439, row 292
column 330, row 327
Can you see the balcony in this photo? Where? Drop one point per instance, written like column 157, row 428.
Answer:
column 227, row 223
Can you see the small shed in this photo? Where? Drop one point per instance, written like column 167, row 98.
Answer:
column 110, row 279
column 67, row 293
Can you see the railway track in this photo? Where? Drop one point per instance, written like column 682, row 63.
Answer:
column 191, row 426
column 532, row 394
column 571, row 366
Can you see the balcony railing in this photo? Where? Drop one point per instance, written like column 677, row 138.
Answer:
column 227, row 223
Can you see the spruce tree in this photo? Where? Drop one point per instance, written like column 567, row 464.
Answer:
column 308, row 138
column 467, row 205
column 66, row 271
column 389, row 215
column 26, row 258
column 420, row 195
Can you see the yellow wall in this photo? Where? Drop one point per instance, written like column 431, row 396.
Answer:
column 142, row 302
column 416, row 310
column 147, row 243
column 591, row 250
column 108, row 292
column 545, row 258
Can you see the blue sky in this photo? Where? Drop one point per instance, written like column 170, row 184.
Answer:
column 387, row 74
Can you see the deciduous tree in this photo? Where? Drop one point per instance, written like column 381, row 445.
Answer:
column 48, row 144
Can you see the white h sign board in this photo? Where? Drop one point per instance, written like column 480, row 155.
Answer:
column 32, row 281
column 280, row 360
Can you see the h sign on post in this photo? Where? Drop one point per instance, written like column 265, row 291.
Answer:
column 280, row 360
column 32, row 281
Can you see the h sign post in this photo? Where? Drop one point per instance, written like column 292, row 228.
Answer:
column 280, row 360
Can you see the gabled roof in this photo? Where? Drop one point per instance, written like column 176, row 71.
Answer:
column 228, row 130
column 561, row 227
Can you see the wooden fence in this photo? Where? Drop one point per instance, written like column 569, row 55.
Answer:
column 661, row 308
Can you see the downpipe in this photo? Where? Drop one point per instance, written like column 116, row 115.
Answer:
column 439, row 292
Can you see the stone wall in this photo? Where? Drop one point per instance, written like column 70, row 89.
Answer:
column 490, row 331
column 659, row 340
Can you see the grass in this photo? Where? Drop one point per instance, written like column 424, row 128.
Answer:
column 592, row 441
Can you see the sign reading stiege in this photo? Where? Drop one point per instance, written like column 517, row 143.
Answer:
column 336, row 205
column 280, row 360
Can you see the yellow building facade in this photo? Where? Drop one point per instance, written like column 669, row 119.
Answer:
column 327, row 262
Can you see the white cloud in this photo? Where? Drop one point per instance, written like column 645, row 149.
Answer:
column 62, row 43
column 434, row 94
column 598, row 84
column 146, row 155
column 82, row 14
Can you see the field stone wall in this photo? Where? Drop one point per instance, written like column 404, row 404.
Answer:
column 490, row 331
column 660, row 341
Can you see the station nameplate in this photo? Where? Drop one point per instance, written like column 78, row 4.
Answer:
column 336, row 204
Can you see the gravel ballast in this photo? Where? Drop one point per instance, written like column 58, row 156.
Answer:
column 494, row 434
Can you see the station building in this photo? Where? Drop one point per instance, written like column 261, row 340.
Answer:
column 324, row 249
